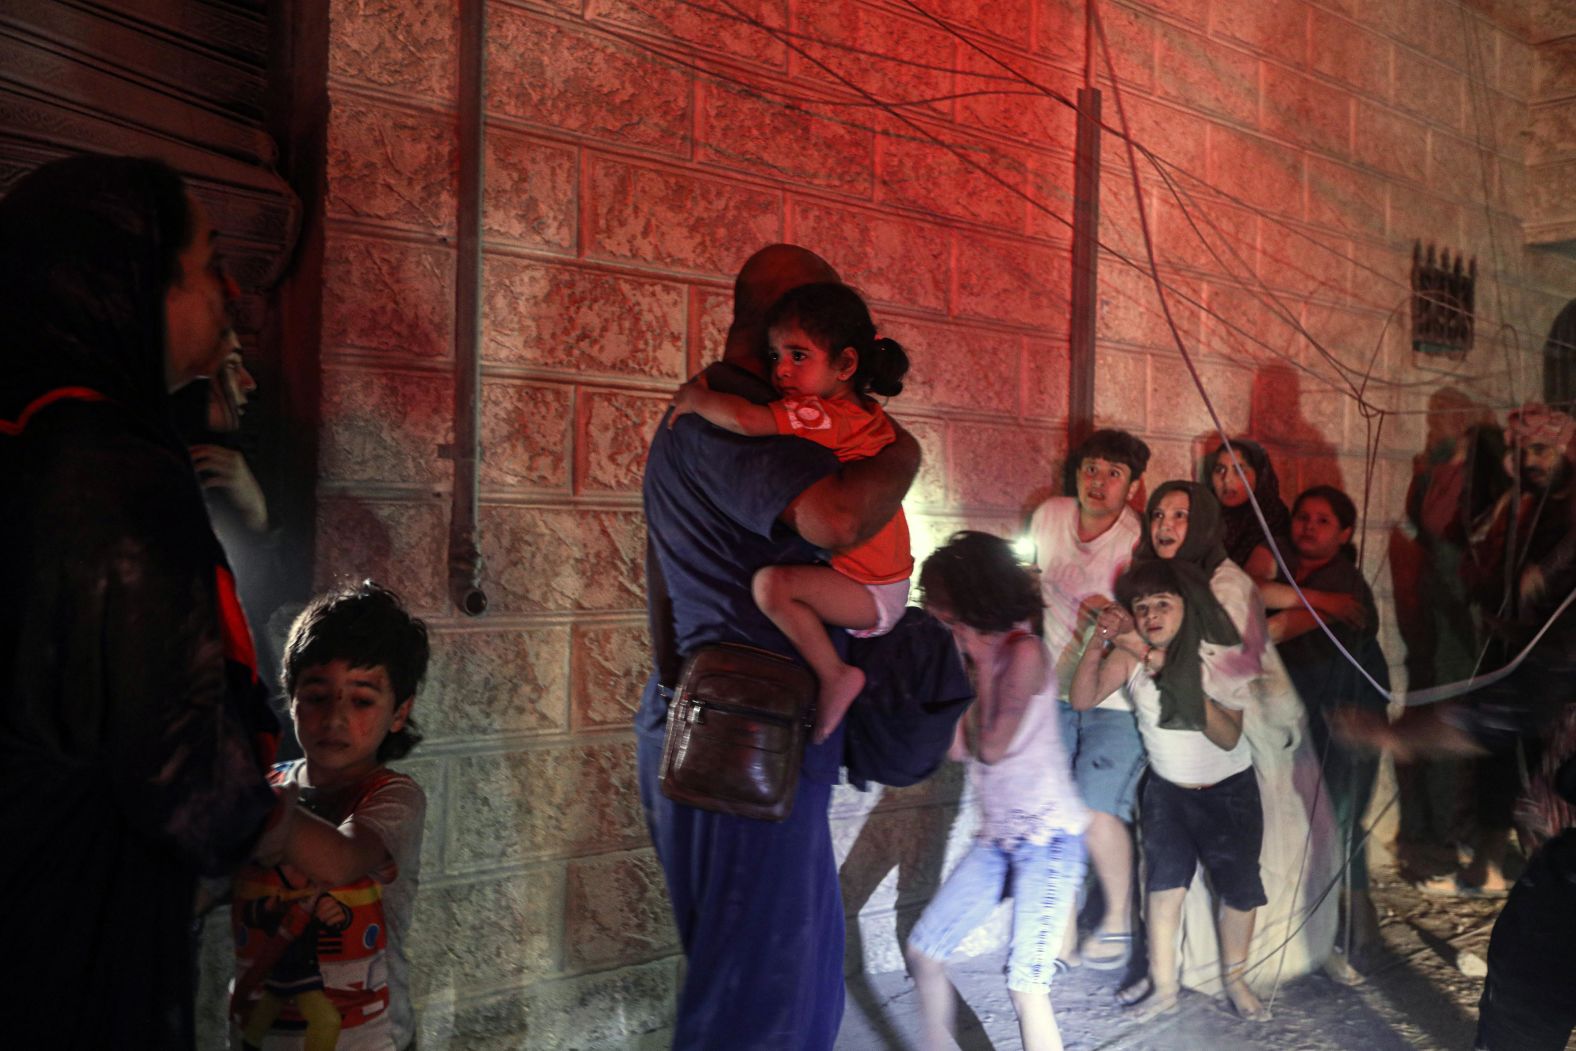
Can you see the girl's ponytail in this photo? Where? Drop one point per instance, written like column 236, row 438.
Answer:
column 882, row 366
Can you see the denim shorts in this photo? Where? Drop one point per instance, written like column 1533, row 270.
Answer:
column 1107, row 756
column 1043, row 883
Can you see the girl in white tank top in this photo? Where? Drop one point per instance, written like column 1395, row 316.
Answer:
column 1030, row 835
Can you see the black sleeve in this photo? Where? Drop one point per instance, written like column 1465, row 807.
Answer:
column 128, row 567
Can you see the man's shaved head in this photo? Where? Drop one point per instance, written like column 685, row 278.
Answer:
column 769, row 273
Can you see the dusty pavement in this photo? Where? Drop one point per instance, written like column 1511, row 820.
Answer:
column 1415, row 997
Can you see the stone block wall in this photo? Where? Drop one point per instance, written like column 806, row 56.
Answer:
column 639, row 150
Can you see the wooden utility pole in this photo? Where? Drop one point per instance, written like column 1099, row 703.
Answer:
column 1086, row 234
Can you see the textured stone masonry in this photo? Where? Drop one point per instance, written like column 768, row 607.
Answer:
column 629, row 173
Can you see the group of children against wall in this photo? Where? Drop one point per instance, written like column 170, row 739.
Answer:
column 1142, row 644
column 1145, row 670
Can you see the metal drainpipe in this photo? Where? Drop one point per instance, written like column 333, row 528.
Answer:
column 465, row 556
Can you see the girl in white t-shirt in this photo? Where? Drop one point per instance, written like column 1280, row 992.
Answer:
column 1030, row 838
column 1200, row 804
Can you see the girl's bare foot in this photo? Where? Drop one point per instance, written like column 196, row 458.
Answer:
column 837, row 695
column 1244, row 1002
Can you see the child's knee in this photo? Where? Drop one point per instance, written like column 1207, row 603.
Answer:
column 771, row 587
column 920, row 961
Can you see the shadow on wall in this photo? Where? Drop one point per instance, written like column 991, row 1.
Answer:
column 907, row 832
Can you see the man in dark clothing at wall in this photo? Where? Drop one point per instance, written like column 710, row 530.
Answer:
column 756, row 904
column 1526, row 1004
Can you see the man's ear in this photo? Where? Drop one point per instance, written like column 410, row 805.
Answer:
column 401, row 714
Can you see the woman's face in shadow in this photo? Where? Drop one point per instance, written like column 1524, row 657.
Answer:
column 195, row 318
column 1168, row 523
column 1226, row 483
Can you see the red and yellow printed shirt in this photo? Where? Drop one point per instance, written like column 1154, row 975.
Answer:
column 853, row 430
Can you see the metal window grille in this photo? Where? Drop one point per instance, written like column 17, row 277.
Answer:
column 1444, row 291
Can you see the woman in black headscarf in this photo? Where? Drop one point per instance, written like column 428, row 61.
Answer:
column 1299, row 857
column 1242, row 532
column 132, row 739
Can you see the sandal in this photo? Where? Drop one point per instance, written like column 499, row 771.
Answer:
column 1113, row 962
column 1060, row 967
column 1137, row 993
column 1154, row 1003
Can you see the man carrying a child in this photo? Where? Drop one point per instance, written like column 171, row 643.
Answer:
column 756, row 903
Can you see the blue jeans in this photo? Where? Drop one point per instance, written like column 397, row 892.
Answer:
column 1043, row 883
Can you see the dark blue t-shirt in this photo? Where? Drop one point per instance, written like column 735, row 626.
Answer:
column 712, row 500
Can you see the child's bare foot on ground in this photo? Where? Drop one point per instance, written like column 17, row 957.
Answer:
column 836, row 697
column 1248, row 1007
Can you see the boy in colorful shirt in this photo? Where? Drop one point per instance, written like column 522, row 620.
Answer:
column 319, row 931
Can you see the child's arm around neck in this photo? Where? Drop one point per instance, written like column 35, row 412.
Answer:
column 728, row 411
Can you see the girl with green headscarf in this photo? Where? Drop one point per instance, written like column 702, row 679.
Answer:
column 1299, row 854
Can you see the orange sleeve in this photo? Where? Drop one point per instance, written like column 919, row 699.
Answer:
column 851, row 430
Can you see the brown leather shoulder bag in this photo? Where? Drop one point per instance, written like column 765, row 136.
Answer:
column 737, row 725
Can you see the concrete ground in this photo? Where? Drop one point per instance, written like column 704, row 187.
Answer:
column 1416, row 997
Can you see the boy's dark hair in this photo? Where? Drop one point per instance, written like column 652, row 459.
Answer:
column 1341, row 504
column 834, row 315
column 977, row 576
column 1148, row 576
column 1115, row 446
column 366, row 626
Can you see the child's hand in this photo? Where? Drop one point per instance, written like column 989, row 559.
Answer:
column 686, row 397
column 1114, row 620
column 1349, row 609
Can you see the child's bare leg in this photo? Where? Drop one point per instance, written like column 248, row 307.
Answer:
column 936, row 1006
column 1236, row 934
column 801, row 601
column 1164, row 917
column 1036, row 1020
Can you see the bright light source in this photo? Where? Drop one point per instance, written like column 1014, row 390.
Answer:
column 1024, row 549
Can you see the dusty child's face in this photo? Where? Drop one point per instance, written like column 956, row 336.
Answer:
column 1168, row 523
column 1103, row 486
column 1315, row 531
column 1159, row 617
column 342, row 714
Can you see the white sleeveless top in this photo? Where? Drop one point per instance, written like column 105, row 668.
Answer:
column 1028, row 795
column 1183, row 757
